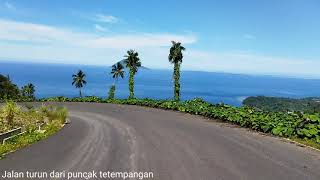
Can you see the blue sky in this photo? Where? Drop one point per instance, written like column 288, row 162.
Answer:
column 278, row 37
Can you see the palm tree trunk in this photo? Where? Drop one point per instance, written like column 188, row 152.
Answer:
column 111, row 92
column 176, row 76
column 114, row 87
column 80, row 92
column 131, row 84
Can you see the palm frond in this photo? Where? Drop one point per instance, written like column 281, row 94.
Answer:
column 79, row 79
column 132, row 60
column 175, row 54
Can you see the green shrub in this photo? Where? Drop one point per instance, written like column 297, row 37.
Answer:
column 62, row 114
column 292, row 125
column 9, row 111
column 55, row 113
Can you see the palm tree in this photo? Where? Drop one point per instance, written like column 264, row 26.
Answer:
column 28, row 91
column 175, row 57
column 132, row 61
column 79, row 80
column 116, row 72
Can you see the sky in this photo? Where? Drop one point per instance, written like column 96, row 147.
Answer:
column 274, row 37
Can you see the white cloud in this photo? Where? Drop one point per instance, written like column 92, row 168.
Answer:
column 105, row 18
column 42, row 34
column 138, row 40
column 100, row 28
column 22, row 41
column 36, row 33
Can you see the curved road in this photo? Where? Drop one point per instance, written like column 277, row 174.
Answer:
column 172, row 145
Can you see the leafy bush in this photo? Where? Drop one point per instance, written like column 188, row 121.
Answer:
column 55, row 113
column 61, row 114
column 276, row 104
column 293, row 124
column 76, row 99
column 9, row 111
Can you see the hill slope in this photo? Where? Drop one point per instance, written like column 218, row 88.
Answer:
column 310, row 104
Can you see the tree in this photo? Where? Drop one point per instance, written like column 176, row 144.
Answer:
column 79, row 80
column 175, row 57
column 28, row 91
column 8, row 90
column 116, row 72
column 132, row 61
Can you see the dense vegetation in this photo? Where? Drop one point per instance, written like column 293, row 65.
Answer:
column 9, row 90
column 307, row 105
column 292, row 125
column 29, row 119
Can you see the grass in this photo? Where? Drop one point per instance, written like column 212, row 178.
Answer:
column 55, row 113
column 28, row 138
column 307, row 142
column 12, row 116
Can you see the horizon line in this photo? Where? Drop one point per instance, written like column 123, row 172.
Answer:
column 290, row 76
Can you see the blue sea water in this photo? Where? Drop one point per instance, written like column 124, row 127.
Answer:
column 55, row 80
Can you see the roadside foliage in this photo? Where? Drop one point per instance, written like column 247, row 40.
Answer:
column 291, row 125
column 12, row 116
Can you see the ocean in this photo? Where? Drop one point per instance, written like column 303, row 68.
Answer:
column 55, row 80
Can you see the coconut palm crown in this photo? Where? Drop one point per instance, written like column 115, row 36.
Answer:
column 117, row 71
column 79, row 80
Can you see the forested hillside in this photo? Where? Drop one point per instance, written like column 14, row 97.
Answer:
column 309, row 105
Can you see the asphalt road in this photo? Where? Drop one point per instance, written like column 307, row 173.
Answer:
column 172, row 145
